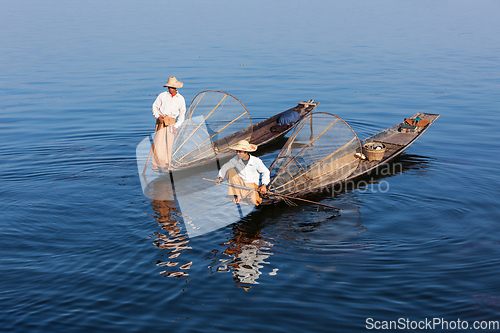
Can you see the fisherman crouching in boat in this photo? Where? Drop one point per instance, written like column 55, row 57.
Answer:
column 168, row 106
column 245, row 170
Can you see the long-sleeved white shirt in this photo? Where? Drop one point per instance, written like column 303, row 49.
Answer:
column 250, row 172
column 166, row 105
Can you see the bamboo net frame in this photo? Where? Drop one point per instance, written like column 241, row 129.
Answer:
column 222, row 114
column 307, row 164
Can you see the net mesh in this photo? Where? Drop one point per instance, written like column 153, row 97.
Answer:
column 214, row 121
column 320, row 152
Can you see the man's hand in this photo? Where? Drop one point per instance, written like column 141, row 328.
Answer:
column 174, row 129
column 218, row 181
column 263, row 189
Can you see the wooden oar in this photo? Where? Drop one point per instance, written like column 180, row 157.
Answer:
column 150, row 151
column 271, row 193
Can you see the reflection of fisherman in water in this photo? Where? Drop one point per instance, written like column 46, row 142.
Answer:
column 249, row 251
column 174, row 241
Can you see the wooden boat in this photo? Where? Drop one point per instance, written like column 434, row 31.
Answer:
column 217, row 120
column 268, row 131
column 344, row 164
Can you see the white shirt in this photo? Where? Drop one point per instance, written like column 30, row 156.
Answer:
column 250, row 172
column 166, row 105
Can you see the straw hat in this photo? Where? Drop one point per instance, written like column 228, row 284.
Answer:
column 243, row 145
column 172, row 82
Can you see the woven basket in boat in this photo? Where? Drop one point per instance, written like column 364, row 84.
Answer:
column 372, row 153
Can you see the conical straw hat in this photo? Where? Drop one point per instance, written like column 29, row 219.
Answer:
column 172, row 82
column 244, row 145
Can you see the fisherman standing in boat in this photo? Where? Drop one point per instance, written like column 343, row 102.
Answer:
column 245, row 170
column 168, row 106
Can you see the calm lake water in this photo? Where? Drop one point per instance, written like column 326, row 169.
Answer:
column 83, row 250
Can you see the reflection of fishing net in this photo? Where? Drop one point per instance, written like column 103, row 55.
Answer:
column 214, row 121
column 320, row 152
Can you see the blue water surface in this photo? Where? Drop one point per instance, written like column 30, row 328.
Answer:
column 83, row 250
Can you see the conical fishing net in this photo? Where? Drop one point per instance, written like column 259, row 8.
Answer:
column 214, row 121
column 319, row 153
